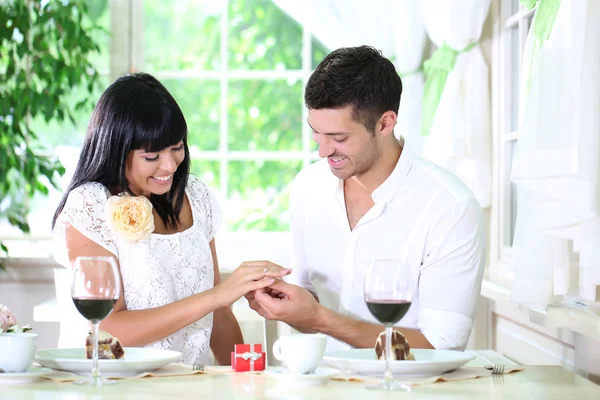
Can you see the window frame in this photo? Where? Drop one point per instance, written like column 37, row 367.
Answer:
column 224, row 75
column 503, row 109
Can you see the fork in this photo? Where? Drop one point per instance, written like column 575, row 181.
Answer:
column 497, row 369
column 198, row 367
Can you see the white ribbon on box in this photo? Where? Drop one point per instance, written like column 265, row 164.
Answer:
column 252, row 356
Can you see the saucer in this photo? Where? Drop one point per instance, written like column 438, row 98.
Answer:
column 284, row 376
column 31, row 375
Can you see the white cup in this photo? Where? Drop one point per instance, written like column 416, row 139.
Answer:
column 301, row 353
column 17, row 351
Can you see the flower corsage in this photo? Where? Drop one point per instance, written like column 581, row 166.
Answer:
column 130, row 216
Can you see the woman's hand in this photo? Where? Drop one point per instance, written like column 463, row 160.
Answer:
column 249, row 276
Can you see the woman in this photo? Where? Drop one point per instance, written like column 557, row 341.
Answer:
column 173, row 297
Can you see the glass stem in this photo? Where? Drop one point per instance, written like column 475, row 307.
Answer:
column 95, row 371
column 388, row 378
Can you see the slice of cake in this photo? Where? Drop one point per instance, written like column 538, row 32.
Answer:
column 109, row 348
column 400, row 347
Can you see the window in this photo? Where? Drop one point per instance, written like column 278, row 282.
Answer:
column 238, row 69
column 506, row 111
column 241, row 89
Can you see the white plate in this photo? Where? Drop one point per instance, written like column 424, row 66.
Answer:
column 135, row 361
column 427, row 362
column 287, row 378
column 31, row 375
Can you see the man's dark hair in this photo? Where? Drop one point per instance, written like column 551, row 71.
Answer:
column 357, row 76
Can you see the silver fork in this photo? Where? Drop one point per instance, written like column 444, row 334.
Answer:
column 497, row 369
column 198, row 367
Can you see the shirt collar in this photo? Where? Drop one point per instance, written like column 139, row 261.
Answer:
column 386, row 190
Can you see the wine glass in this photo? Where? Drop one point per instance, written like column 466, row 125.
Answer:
column 388, row 294
column 95, row 288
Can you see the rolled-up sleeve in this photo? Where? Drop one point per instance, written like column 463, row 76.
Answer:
column 451, row 274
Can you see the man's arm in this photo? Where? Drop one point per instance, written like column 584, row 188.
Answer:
column 361, row 334
column 299, row 308
column 357, row 333
column 451, row 274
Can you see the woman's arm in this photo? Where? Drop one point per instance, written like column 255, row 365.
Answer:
column 141, row 327
column 226, row 330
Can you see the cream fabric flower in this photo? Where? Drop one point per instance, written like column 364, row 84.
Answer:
column 130, row 216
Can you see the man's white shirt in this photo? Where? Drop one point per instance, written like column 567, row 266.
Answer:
column 423, row 215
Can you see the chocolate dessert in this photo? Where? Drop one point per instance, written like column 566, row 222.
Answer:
column 109, row 348
column 400, row 347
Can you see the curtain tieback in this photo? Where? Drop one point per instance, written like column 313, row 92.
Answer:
column 437, row 68
column 543, row 22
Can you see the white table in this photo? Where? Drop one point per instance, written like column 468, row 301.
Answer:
column 535, row 382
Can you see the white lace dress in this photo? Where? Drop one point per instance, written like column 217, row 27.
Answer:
column 157, row 271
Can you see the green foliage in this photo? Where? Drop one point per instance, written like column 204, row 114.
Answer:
column 45, row 57
column 262, row 114
column 182, row 34
column 261, row 36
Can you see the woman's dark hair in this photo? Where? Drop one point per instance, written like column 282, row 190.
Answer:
column 357, row 76
column 135, row 112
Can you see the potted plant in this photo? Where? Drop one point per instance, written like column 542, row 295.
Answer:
column 46, row 48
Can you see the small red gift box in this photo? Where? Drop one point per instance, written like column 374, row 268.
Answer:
column 248, row 357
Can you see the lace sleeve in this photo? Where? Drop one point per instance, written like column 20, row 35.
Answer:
column 84, row 210
column 205, row 201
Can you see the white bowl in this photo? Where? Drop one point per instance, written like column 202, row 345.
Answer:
column 17, row 351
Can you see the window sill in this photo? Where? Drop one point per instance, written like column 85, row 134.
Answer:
column 39, row 269
column 579, row 318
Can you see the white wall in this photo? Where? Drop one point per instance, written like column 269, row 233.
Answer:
column 20, row 297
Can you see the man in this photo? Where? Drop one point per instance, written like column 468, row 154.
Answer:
column 372, row 197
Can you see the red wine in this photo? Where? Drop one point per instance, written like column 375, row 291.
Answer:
column 388, row 311
column 94, row 309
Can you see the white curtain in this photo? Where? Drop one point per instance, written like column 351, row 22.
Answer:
column 410, row 41
column 394, row 27
column 556, row 165
column 461, row 130
column 344, row 23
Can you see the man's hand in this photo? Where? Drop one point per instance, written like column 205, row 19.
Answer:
column 285, row 302
column 248, row 277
